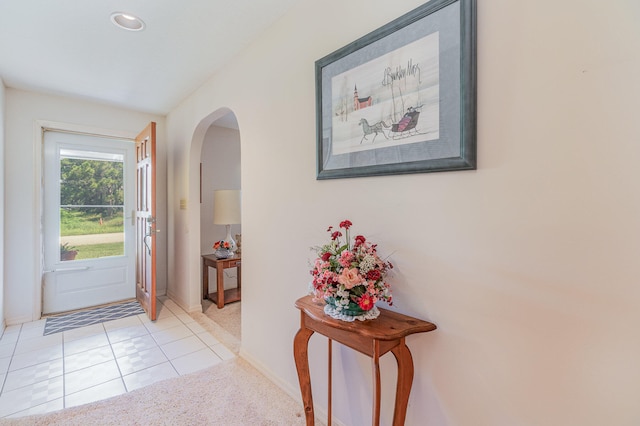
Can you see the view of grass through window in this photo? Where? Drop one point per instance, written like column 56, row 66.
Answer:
column 91, row 205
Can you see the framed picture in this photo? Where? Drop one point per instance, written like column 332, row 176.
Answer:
column 401, row 99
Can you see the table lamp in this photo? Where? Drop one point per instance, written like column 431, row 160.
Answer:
column 226, row 211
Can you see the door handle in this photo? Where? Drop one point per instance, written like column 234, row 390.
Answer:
column 150, row 234
column 80, row 268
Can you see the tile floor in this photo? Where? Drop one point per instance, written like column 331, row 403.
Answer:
column 40, row 373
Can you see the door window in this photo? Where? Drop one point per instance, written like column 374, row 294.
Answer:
column 91, row 204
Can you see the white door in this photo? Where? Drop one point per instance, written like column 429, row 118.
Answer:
column 89, row 205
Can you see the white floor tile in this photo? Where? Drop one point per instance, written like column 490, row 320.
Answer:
column 182, row 347
column 172, row 334
column 150, row 375
column 132, row 346
column 185, row 318
column 208, row 339
column 4, row 364
column 122, row 323
column 87, row 359
column 29, row 396
column 99, row 361
column 7, row 349
column 39, row 342
column 85, row 344
column 10, row 339
column 96, row 393
column 28, row 333
column 163, row 312
column 10, row 336
column 141, row 360
column 173, row 307
column 162, row 324
column 11, row 329
column 47, row 407
column 195, row 361
column 91, row 376
column 196, row 328
column 33, row 374
column 222, row 351
column 120, row 334
column 35, row 357
column 82, row 332
column 34, row 324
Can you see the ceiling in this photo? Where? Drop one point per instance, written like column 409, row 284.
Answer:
column 71, row 47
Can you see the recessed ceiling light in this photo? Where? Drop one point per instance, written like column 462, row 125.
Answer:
column 127, row 21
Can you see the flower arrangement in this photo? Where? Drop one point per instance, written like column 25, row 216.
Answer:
column 222, row 245
column 347, row 274
column 223, row 249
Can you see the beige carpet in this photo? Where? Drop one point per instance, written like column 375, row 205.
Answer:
column 228, row 317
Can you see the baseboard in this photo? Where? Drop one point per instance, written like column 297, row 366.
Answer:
column 18, row 320
column 189, row 309
column 292, row 391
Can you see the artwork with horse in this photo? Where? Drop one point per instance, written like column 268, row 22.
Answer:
column 368, row 129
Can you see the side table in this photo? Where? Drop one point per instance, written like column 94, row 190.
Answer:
column 220, row 296
column 373, row 338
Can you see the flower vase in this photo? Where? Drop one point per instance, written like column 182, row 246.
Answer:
column 350, row 312
column 222, row 253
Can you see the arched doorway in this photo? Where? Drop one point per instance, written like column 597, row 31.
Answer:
column 220, row 161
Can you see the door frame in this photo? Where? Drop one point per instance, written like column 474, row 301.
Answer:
column 39, row 127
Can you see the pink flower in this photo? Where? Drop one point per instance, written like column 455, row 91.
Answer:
column 349, row 277
column 326, row 256
column 359, row 240
column 336, row 235
column 345, row 258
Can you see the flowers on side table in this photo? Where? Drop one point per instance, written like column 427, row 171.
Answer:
column 350, row 276
column 222, row 249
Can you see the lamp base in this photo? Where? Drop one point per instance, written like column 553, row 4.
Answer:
column 232, row 243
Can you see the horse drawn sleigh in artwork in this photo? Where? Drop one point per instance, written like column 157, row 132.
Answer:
column 402, row 129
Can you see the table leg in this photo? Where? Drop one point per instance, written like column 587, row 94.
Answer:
column 377, row 390
column 301, row 356
column 205, row 279
column 405, row 380
column 239, row 266
column 220, row 282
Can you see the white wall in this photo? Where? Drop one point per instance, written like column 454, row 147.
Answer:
column 2, row 131
column 23, row 110
column 220, row 170
column 528, row 265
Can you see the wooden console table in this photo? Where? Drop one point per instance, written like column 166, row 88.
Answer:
column 373, row 338
column 220, row 296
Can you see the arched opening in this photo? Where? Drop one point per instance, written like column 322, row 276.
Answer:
column 219, row 170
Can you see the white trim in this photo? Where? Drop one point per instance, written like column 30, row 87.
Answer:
column 39, row 127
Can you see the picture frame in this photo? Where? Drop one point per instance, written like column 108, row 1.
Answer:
column 401, row 99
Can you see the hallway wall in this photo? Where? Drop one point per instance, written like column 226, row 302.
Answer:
column 527, row 265
column 2, row 150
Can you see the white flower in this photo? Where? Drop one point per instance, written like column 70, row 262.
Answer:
column 367, row 263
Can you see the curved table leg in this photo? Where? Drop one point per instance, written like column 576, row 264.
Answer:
column 405, row 380
column 377, row 390
column 301, row 356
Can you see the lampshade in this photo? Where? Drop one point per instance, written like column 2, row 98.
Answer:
column 226, row 206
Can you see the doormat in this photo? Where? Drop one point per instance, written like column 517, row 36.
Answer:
column 91, row 316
